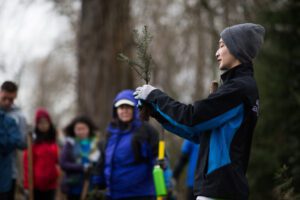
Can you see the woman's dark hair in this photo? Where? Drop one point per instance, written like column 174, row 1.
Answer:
column 50, row 136
column 69, row 129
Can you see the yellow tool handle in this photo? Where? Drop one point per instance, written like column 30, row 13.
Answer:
column 161, row 150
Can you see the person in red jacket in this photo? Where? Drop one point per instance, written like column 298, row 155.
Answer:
column 45, row 158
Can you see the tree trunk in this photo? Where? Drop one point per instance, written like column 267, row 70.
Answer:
column 201, row 52
column 104, row 31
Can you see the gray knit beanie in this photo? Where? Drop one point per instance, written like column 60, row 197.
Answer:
column 243, row 40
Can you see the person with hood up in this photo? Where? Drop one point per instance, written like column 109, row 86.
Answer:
column 130, row 152
column 44, row 158
column 223, row 123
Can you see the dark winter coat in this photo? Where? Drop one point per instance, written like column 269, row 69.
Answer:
column 16, row 113
column 223, row 124
column 10, row 140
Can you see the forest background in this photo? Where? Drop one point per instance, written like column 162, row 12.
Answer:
column 62, row 53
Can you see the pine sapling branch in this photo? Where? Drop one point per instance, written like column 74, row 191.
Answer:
column 142, row 64
column 131, row 64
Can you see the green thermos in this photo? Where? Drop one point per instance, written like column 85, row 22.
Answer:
column 159, row 181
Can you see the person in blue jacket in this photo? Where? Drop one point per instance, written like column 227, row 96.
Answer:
column 224, row 122
column 8, row 94
column 10, row 140
column 189, row 155
column 131, row 150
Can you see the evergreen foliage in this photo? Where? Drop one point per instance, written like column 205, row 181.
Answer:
column 142, row 64
column 277, row 138
column 284, row 190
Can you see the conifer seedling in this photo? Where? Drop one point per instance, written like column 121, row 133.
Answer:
column 142, row 63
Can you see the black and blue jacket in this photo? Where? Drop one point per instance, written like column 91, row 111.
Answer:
column 223, row 124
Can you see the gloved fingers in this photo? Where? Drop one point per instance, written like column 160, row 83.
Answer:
column 137, row 92
column 143, row 92
column 139, row 88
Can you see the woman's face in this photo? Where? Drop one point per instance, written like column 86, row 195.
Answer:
column 125, row 113
column 43, row 125
column 225, row 59
column 81, row 130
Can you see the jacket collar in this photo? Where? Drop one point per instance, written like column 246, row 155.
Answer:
column 244, row 69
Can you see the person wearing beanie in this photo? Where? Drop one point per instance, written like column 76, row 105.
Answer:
column 223, row 123
column 44, row 156
column 243, row 40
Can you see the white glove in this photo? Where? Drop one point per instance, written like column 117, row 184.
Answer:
column 141, row 93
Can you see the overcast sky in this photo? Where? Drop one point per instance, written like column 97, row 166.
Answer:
column 29, row 30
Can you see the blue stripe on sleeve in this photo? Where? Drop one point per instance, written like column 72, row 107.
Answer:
column 188, row 132
column 221, row 119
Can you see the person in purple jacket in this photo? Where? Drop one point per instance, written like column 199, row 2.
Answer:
column 78, row 155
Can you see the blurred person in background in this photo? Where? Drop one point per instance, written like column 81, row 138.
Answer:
column 44, row 158
column 189, row 155
column 8, row 94
column 10, row 140
column 130, row 152
column 78, row 155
